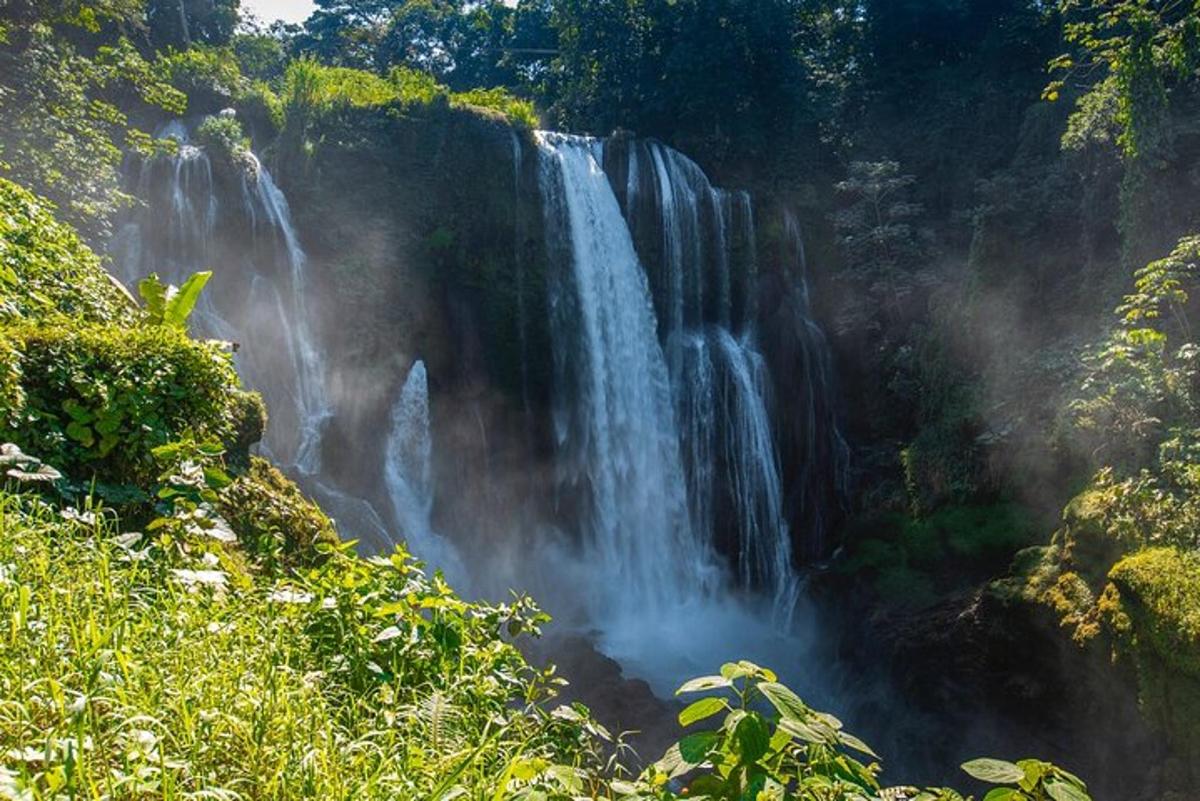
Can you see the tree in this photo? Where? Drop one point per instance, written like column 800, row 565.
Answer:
column 180, row 23
column 875, row 230
column 67, row 69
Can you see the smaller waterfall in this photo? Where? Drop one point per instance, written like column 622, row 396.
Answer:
column 753, row 476
column 408, row 476
column 187, row 211
column 314, row 410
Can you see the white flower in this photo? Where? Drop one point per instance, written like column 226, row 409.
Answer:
column 191, row 578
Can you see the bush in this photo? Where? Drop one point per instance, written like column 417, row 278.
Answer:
column 209, row 76
column 194, row 674
column 222, row 136
column 45, row 270
column 98, row 399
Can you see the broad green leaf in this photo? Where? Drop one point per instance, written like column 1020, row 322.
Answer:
column 994, row 771
column 154, row 295
column 703, row 683
column 699, row 710
column 179, row 306
column 786, row 702
column 1004, row 794
column 695, row 747
column 1060, row 790
column 753, row 737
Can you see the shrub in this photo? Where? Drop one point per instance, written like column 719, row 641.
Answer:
column 99, row 399
column 192, row 674
column 222, row 136
column 45, row 270
column 209, row 76
column 516, row 110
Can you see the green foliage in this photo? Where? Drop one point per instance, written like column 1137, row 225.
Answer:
column 63, row 69
column 99, row 399
column 911, row 562
column 880, row 244
column 223, row 136
column 1030, row 780
column 1142, row 381
column 169, row 305
column 207, row 75
column 196, row 673
column 311, row 89
column 45, row 271
column 1140, row 50
column 769, row 744
column 182, row 23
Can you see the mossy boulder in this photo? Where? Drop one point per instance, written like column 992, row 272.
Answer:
column 271, row 515
column 1153, row 608
column 46, row 270
column 1089, row 543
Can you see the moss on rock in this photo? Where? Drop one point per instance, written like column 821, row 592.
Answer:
column 271, row 515
column 1153, row 608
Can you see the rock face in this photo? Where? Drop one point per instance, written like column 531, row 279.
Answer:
column 626, row 707
column 994, row 672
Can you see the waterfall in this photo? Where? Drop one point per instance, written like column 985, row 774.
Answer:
column 720, row 383
column 277, row 355
column 621, row 430
column 752, row 474
column 645, row 453
column 259, row 298
column 408, row 475
column 309, row 397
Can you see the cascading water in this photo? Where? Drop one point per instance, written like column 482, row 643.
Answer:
column 408, row 475
column 659, row 596
column 719, row 381
column 277, row 355
column 621, row 428
column 259, row 298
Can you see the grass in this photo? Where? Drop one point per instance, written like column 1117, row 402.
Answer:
column 136, row 668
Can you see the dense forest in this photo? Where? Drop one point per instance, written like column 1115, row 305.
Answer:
column 827, row 348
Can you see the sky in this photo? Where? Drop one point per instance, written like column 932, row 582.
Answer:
column 271, row 10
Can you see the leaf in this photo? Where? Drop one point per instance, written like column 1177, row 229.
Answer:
column 390, row 633
column 994, row 771
column 154, row 295
column 1060, row 790
column 699, row 710
column 808, row 733
column 179, row 307
column 703, row 683
column 786, row 702
column 753, row 737
column 1004, row 794
column 81, row 434
column 856, row 744
column 695, row 747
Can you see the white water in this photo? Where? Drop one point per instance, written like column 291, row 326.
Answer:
column 719, row 381
column 658, row 595
column 265, row 308
column 277, row 355
column 408, row 476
